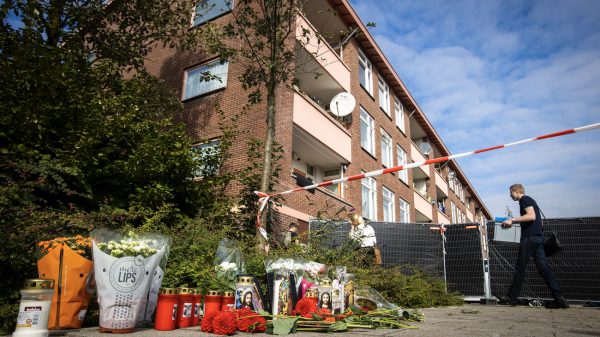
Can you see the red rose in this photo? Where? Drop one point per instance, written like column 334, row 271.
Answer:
column 305, row 307
column 207, row 321
column 225, row 323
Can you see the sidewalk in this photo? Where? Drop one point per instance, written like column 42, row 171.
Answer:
column 468, row 320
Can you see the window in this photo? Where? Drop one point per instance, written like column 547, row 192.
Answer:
column 389, row 205
column 453, row 209
column 207, row 10
column 459, row 190
column 402, row 160
column 384, row 97
column 207, row 156
column 387, row 157
column 205, row 79
column 399, row 112
column 365, row 72
column 369, row 193
column 367, row 131
column 404, row 211
column 331, row 175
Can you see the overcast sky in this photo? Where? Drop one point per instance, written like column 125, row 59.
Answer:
column 492, row 72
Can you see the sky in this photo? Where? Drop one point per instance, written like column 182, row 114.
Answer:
column 496, row 71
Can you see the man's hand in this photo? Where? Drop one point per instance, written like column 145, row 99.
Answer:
column 507, row 223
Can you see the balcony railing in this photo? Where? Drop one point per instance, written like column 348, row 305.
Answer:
column 320, row 125
column 423, row 206
column 417, row 156
column 441, row 184
column 469, row 216
column 443, row 218
column 316, row 46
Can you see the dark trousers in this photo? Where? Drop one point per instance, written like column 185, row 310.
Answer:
column 533, row 246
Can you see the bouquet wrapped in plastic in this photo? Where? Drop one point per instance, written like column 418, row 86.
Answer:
column 125, row 266
column 228, row 262
column 67, row 260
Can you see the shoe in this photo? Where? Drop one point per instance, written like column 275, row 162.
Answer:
column 562, row 302
column 503, row 299
column 559, row 303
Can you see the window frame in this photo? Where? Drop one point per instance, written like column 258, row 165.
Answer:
column 407, row 210
column 213, row 17
column 453, row 210
column 213, row 144
column 391, row 199
column 370, row 211
column 399, row 115
column 389, row 152
column 207, row 66
column 383, row 94
column 369, row 121
column 403, row 174
column 365, row 63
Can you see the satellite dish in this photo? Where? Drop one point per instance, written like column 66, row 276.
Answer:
column 342, row 104
column 425, row 148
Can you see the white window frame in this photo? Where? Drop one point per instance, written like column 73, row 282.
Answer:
column 367, row 136
column 208, row 16
column 387, row 154
column 402, row 160
column 399, row 114
column 369, row 198
column 404, row 211
column 205, row 87
column 365, row 64
column 389, row 205
column 453, row 210
column 211, row 145
column 384, row 96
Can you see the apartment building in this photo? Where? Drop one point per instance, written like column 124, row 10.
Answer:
column 386, row 128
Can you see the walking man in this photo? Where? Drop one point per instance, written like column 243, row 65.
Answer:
column 532, row 244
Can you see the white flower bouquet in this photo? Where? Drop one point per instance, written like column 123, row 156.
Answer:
column 228, row 262
column 126, row 268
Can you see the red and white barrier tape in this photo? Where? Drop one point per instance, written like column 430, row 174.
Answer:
column 264, row 197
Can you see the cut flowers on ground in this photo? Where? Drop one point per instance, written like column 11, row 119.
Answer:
column 317, row 320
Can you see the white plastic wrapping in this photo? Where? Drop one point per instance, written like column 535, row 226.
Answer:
column 124, row 268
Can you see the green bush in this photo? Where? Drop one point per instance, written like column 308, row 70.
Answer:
column 408, row 287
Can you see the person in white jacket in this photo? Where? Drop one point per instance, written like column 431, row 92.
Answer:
column 362, row 232
column 364, row 235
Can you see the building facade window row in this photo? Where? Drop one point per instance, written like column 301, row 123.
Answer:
column 369, row 203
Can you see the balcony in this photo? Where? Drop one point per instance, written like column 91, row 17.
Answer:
column 423, row 208
column 469, row 216
column 442, row 218
column 316, row 55
column 319, row 134
column 417, row 156
column 441, row 185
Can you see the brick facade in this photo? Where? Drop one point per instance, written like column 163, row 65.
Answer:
column 203, row 123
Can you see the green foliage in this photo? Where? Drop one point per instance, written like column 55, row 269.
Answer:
column 87, row 138
column 408, row 286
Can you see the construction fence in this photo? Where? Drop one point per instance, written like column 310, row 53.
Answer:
column 472, row 262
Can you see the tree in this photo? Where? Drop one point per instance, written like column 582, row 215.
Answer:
column 87, row 137
column 262, row 36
